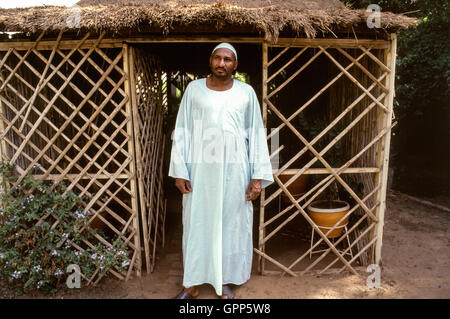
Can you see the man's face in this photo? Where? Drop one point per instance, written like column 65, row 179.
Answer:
column 223, row 63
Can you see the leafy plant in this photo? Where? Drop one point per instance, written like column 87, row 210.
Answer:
column 421, row 140
column 40, row 224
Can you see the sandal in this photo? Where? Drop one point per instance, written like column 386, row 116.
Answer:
column 185, row 295
column 227, row 293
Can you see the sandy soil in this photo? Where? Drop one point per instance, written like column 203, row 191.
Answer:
column 416, row 264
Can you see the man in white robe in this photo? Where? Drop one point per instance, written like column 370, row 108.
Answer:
column 220, row 162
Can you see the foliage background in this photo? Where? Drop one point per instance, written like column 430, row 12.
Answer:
column 421, row 140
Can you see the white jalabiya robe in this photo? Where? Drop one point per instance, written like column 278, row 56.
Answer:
column 219, row 145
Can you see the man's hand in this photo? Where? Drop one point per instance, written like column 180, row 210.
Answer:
column 183, row 185
column 253, row 189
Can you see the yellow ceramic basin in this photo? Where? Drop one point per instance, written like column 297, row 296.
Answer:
column 326, row 217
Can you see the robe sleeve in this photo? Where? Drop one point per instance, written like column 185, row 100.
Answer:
column 258, row 152
column 181, row 139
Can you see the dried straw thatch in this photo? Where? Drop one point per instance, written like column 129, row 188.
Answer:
column 261, row 17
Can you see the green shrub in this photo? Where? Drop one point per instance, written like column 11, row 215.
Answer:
column 39, row 223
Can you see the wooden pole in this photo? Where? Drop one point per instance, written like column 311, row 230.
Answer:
column 132, row 152
column 383, row 158
column 4, row 156
column 262, row 230
column 3, row 150
column 265, row 256
column 137, row 145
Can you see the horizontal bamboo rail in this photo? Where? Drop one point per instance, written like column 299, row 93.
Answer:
column 25, row 44
column 314, row 171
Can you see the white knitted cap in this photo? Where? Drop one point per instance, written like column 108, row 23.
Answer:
column 226, row 45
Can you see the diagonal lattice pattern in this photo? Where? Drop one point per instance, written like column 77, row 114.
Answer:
column 151, row 105
column 355, row 93
column 64, row 110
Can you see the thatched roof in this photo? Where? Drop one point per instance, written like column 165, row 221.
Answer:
column 284, row 4
column 262, row 17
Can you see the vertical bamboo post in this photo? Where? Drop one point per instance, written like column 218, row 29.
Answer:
column 383, row 156
column 137, row 145
column 132, row 153
column 3, row 147
column 4, row 156
column 261, row 261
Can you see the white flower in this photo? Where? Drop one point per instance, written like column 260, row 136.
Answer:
column 2, row 256
column 54, row 253
column 125, row 263
column 78, row 214
column 15, row 274
column 38, row 285
column 58, row 272
column 37, row 268
column 94, row 256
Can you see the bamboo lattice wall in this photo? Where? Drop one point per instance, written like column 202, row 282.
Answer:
column 67, row 109
column 357, row 101
column 151, row 106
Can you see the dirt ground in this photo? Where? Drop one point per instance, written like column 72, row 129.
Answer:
column 415, row 253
